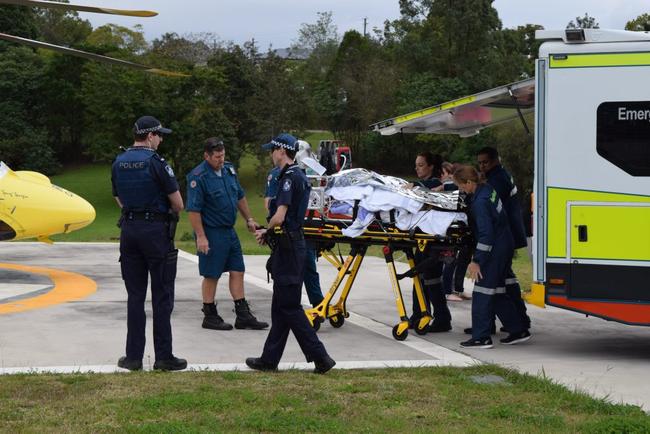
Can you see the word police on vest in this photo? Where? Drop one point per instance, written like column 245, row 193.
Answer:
column 131, row 164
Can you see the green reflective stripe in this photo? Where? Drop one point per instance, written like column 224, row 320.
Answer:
column 599, row 60
column 431, row 110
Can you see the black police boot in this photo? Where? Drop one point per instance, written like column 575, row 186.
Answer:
column 131, row 365
column 173, row 364
column 212, row 320
column 245, row 319
column 323, row 365
column 260, row 365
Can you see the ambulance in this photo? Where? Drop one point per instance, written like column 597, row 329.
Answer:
column 591, row 103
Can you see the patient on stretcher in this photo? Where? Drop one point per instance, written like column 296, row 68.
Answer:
column 367, row 196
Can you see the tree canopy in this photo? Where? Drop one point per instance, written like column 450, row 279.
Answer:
column 58, row 110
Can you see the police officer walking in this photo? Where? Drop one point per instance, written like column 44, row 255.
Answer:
column 146, row 190
column 287, row 265
column 312, row 278
column 503, row 183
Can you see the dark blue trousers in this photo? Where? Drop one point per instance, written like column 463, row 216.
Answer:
column 489, row 297
column 287, row 314
column 146, row 251
column 434, row 296
column 312, row 279
column 513, row 290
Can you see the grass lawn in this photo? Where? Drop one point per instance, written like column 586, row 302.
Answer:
column 389, row 400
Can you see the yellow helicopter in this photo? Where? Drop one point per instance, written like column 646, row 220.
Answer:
column 30, row 205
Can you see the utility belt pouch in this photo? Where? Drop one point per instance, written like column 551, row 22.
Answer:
column 173, row 224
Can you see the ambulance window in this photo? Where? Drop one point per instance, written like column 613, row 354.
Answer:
column 623, row 135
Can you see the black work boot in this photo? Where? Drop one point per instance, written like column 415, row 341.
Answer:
column 245, row 319
column 212, row 320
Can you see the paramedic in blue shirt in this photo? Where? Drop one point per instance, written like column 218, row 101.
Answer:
column 214, row 196
column 146, row 190
column 503, row 183
column 287, row 265
column 489, row 266
column 312, row 279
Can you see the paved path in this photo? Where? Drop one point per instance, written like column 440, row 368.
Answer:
column 87, row 334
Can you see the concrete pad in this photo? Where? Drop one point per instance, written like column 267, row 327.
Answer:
column 89, row 334
column 607, row 360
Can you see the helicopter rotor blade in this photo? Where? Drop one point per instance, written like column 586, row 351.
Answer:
column 81, row 8
column 91, row 56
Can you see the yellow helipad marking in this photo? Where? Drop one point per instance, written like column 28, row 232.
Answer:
column 67, row 287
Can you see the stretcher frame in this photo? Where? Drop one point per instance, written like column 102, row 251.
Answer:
column 324, row 234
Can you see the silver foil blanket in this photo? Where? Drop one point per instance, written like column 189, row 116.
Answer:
column 443, row 201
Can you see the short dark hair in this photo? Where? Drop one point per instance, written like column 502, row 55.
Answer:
column 140, row 137
column 491, row 152
column 213, row 144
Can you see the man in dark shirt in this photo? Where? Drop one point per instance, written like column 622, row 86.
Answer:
column 503, row 183
column 145, row 188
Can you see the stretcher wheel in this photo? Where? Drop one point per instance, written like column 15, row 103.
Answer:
column 397, row 335
column 337, row 320
column 421, row 330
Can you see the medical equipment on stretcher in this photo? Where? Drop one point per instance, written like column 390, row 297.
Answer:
column 325, row 230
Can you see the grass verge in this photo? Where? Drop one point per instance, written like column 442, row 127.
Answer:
column 389, row 400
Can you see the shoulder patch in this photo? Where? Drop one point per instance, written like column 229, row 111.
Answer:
column 232, row 170
column 493, row 196
column 169, row 170
column 287, row 185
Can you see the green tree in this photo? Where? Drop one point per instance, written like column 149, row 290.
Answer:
column 639, row 24
column 23, row 143
column 362, row 80
column 585, row 22
column 18, row 21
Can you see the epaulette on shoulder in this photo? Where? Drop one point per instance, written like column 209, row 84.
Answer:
column 197, row 171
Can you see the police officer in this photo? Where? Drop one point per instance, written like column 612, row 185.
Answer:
column 146, row 190
column 312, row 279
column 503, row 183
column 492, row 256
column 288, row 262
column 214, row 196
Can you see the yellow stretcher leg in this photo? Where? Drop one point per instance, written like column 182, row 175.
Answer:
column 425, row 318
column 401, row 330
column 337, row 312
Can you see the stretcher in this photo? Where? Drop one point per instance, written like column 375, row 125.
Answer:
column 323, row 230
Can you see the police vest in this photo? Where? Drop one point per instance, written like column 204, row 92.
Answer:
column 136, row 187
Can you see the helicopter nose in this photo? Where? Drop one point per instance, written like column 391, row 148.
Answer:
column 80, row 214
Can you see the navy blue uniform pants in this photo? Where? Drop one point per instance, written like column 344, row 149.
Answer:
column 146, row 250
column 287, row 313
column 312, row 279
column 434, row 296
column 513, row 290
column 489, row 297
